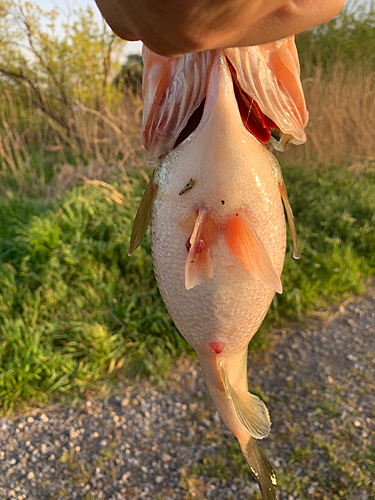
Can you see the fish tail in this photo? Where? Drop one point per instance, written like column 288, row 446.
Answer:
column 247, row 417
column 261, row 469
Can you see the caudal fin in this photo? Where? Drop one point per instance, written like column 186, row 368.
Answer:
column 253, row 416
column 261, row 469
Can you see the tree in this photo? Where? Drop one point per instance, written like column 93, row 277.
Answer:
column 57, row 70
column 350, row 36
column 130, row 75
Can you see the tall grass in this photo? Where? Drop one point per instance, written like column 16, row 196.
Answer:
column 61, row 108
column 341, row 104
column 338, row 76
column 34, row 146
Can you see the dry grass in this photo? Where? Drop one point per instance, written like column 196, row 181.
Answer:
column 35, row 144
column 14, row 157
column 342, row 117
column 35, row 148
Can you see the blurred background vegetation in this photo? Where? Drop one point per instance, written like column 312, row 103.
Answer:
column 75, row 312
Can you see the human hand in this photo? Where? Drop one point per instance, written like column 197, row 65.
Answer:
column 177, row 27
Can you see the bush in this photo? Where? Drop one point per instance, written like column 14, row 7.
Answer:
column 57, row 101
column 348, row 38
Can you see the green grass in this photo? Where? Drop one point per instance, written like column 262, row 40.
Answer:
column 347, row 37
column 75, row 310
column 335, row 214
column 336, row 465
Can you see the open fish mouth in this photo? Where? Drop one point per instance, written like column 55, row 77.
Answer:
column 191, row 125
column 265, row 82
column 253, row 118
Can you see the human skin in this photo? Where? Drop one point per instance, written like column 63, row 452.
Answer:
column 177, row 27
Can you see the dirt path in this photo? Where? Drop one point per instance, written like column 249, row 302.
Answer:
column 157, row 442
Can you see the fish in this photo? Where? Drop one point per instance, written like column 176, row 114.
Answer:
column 215, row 208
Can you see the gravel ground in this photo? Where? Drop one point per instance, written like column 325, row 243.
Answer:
column 167, row 442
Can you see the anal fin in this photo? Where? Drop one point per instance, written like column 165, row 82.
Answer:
column 249, row 409
column 245, row 244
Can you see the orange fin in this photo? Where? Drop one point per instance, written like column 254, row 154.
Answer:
column 245, row 244
column 199, row 263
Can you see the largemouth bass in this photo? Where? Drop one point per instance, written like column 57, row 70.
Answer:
column 214, row 204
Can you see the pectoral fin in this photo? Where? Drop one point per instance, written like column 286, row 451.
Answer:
column 288, row 209
column 290, row 216
column 142, row 220
column 249, row 409
column 244, row 242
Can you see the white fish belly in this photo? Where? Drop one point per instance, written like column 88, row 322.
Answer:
column 230, row 306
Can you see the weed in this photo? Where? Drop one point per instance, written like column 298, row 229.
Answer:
column 68, row 458
column 74, row 308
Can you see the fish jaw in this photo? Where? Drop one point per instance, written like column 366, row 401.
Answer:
column 174, row 88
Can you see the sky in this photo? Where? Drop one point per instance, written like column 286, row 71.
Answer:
column 131, row 47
